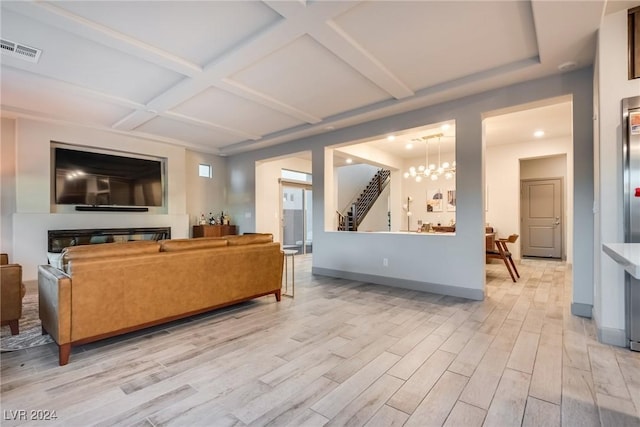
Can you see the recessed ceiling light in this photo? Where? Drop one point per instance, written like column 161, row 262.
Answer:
column 391, row 138
column 445, row 126
column 538, row 134
column 349, row 160
column 409, row 146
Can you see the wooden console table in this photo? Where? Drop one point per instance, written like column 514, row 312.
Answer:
column 214, row 230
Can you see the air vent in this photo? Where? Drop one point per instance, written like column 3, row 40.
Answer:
column 18, row 50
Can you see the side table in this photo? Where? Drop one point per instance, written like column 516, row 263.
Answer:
column 289, row 253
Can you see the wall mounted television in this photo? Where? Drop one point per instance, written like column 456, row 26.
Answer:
column 99, row 178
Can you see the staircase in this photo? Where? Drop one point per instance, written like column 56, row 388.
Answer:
column 358, row 209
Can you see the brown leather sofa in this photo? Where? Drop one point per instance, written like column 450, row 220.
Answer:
column 114, row 288
column 12, row 292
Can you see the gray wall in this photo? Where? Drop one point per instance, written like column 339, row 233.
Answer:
column 423, row 262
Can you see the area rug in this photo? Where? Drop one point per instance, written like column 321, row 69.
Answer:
column 30, row 328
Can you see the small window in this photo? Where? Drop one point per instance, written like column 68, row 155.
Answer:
column 204, row 171
column 296, row 176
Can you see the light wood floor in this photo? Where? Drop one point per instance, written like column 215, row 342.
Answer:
column 347, row 353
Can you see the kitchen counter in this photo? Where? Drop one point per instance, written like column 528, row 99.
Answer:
column 625, row 254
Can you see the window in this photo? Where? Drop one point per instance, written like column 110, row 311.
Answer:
column 204, row 171
column 296, row 176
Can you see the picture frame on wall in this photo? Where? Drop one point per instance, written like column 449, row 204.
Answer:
column 451, row 200
column 434, row 200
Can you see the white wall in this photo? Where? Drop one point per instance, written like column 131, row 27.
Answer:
column 503, row 185
column 543, row 167
column 7, row 185
column 613, row 86
column 33, row 213
column 205, row 195
column 377, row 219
column 417, row 261
column 267, row 194
column 350, row 180
column 372, row 156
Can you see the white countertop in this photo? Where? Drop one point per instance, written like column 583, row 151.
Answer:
column 625, row 254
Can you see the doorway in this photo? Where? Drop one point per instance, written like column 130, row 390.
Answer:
column 531, row 143
column 541, row 219
column 297, row 216
column 271, row 174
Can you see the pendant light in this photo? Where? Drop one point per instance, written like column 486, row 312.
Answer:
column 431, row 170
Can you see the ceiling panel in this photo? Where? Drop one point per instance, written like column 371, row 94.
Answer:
column 417, row 45
column 30, row 92
column 198, row 31
column 307, row 76
column 217, row 106
column 175, row 129
column 85, row 63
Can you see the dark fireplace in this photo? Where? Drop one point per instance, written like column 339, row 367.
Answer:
column 59, row 239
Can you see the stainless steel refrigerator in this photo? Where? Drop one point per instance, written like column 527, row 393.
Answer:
column 631, row 155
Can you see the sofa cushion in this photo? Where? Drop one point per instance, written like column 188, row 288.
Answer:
column 189, row 244
column 139, row 247
column 249, row 239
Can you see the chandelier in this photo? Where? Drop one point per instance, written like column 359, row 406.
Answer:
column 431, row 170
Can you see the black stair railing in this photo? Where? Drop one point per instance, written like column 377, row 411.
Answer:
column 355, row 213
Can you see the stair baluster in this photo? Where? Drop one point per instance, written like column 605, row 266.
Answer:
column 359, row 209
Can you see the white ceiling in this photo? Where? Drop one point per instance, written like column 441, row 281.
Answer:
column 226, row 77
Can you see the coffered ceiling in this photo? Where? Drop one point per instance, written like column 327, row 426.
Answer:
column 231, row 76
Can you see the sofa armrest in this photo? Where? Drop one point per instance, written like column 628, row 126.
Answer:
column 54, row 297
column 12, row 291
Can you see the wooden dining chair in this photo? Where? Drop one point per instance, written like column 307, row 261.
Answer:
column 502, row 252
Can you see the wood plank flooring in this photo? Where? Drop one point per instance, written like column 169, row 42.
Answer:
column 345, row 353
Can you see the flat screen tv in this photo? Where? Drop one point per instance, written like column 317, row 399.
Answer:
column 101, row 179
